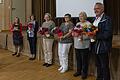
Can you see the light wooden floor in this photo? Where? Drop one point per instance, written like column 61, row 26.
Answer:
column 13, row 68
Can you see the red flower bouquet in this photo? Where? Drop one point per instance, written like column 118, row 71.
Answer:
column 44, row 32
column 57, row 31
column 77, row 31
column 30, row 26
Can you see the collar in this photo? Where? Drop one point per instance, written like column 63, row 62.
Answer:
column 100, row 17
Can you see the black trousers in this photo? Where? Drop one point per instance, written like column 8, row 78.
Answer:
column 82, row 57
column 102, row 63
column 32, row 43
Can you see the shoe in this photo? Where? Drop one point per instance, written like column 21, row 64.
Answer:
column 18, row 55
column 76, row 74
column 63, row 70
column 45, row 64
column 60, row 68
column 99, row 78
column 84, row 77
column 31, row 58
column 48, row 65
column 14, row 54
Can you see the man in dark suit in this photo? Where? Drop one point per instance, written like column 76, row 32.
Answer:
column 103, row 42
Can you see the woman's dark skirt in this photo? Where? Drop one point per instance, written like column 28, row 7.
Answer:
column 17, row 38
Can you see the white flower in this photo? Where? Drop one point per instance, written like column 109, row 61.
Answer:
column 79, row 39
column 92, row 40
column 47, row 35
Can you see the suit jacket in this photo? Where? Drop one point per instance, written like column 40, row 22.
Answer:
column 103, row 42
column 35, row 30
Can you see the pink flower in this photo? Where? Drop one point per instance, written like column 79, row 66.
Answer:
column 30, row 26
column 77, row 31
column 58, row 31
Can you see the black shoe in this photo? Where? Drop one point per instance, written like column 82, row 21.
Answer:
column 31, row 58
column 45, row 64
column 99, row 78
column 48, row 65
column 14, row 54
column 84, row 77
column 76, row 74
column 18, row 55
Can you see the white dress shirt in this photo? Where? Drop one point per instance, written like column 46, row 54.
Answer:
column 97, row 20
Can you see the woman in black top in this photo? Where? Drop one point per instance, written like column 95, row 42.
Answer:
column 16, row 28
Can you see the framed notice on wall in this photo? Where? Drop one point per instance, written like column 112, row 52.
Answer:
column 1, row 1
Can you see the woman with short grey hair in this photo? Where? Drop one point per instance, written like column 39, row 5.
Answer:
column 81, row 45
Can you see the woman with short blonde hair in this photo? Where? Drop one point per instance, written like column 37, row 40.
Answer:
column 83, row 14
column 82, row 45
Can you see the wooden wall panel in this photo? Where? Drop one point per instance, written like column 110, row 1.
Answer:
column 40, row 7
column 112, row 8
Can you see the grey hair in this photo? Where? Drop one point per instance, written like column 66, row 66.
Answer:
column 84, row 14
column 49, row 15
column 100, row 4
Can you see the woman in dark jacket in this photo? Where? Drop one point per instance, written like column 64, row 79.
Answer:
column 32, row 29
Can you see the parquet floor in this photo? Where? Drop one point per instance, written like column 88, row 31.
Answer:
column 13, row 68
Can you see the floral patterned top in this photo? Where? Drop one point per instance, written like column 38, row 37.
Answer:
column 65, row 29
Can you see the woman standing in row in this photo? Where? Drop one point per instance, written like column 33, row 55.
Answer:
column 16, row 28
column 32, row 29
column 82, row 45
column 48, row 39
column 65, row 43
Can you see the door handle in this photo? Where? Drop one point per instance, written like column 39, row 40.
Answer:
column 13, row 8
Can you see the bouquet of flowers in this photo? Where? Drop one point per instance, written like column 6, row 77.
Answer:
column 30, row 30
column 77, row 30
column 30, row 26
column 57, row 31
column 44, row 32
column 90, row 30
